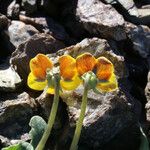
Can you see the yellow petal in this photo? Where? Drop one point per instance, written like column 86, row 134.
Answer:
column 51, row 90
column 35, row 84
column 39, row 64
column 84, row 63
column 70, row 85
column 67, row 67
column 104, row 68
column 109, row 86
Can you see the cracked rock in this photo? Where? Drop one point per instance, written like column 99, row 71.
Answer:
column 101, row 19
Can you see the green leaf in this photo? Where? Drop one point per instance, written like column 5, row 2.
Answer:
column 144, row 141
column 38, row 126
column 20, row 146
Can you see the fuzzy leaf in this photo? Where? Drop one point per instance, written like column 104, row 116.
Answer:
column 38, row 126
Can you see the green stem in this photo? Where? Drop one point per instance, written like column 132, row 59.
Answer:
column 74, row 144
column 52, row 116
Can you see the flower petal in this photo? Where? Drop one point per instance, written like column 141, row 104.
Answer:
column 70, row 85
column 34, row 84
column 67, row 67
column 39, row 64
column 109, row 86
column 104, row 68
column 85, row 62
column 51, row 90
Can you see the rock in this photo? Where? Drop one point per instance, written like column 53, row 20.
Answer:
column 3, row 21
column 15, row 113
column 47, row 25
column 72, row 25
column 101, row 19
column 19, row 32
column 128, row 5
column 147, row 107
column 107, row 114
column 30, row 6
column 9, row 79
column 147, row 94
column 129, row 10
column 50, row 8
column 128, row 139
column 146, row 1
column 4, row 142
column 144, row 15
column 13, row 10
column 147, row 90
column 138, row 70
column 60, row 2
column 45, row 102
column 39, row 43
column 140, row 37
column 6, row 46
column 4, row 5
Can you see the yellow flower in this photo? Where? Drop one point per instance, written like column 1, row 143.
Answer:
column 37, row 78
column 72, row 69
column 68, row 71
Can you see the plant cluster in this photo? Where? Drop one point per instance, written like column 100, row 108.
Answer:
column 94, row 74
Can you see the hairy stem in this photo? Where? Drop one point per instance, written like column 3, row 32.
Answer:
column 52, row 115
column 74, row 144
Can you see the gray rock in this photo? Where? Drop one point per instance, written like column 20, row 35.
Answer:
column 147, row 91
column 147, row 94
column 13, row 10
column 130, row 12
column 50, row 8
column 47, row 25
column 15, row 113
column 30, row 6
column 69, row 20
column 3, row 21
column 144, row 14
column 146, row 1
column 60, row 2
column 9, row 79
column 100, row 19
column 106, row 116
column 147, row 107
column 39, row 43
column 45, row 102
column 4, row 5
column 4, row 142
column 140, row 37
column 19, row 32
column 128, row 5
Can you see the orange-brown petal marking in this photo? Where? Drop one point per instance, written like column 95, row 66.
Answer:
column 67, row 67
column 84, row 63
column 104, row 68
column 39, row 64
